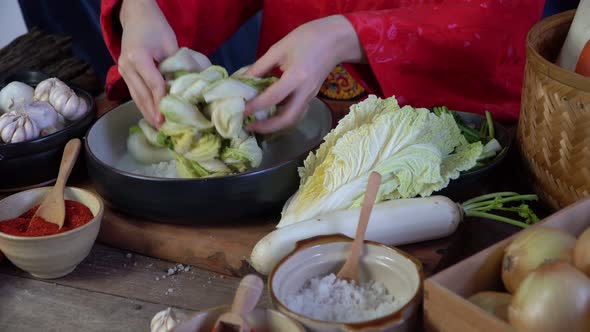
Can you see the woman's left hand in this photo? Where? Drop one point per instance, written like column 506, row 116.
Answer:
column 305, row 56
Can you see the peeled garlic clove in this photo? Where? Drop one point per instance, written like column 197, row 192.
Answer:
column 163, row 321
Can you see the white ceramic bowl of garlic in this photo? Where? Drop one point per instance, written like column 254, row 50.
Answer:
column 387, row 299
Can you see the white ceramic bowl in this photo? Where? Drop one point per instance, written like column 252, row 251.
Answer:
column 260, row 320
column 401, row 274
column 52, row 256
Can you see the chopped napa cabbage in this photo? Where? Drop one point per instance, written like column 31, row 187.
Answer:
column 189, row 169
column 242, row 154
column 177, row 110
column 150, row 133
column 415, row 151
column 182, row 143
column 258, row 83
column 141, row 150
column 227, row 116
column 186, row 60
column 205, row 148
column 214, row 73
column 179, row 86
column 215, row 166
column 227, row 88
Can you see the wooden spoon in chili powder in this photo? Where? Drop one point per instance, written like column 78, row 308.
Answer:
column 53, row 208
column 350, row 270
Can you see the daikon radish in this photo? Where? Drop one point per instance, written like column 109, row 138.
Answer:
column 577, row 36
column 393, row 222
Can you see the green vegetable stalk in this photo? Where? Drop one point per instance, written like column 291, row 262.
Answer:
column 483, row 207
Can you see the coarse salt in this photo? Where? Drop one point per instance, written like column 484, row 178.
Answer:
column 330, row 299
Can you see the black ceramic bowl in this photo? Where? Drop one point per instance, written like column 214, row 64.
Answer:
column 236, row 198
column 36, row 163
column 469, row 182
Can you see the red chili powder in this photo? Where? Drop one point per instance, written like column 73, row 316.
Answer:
column 77, row 214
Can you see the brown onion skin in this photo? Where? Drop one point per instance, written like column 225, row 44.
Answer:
column 553, row 298
column 531, row 248
column 582, row 252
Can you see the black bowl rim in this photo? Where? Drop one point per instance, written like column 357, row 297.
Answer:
column 499, row 158
column 248, row 173
column 50, row 137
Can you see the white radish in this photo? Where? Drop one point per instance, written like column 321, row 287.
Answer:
column 394, row 222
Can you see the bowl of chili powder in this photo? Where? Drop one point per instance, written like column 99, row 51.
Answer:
column 38, row 246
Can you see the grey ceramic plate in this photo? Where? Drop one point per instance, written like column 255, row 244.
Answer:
column 245, row 196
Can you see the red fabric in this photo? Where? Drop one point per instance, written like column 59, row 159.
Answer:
column 466, row 54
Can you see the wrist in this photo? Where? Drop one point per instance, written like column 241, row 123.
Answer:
column 130, row 8
column 345, row 41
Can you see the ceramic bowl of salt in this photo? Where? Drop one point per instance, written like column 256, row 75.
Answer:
column 304, row 287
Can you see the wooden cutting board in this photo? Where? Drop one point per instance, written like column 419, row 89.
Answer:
column 221, row 249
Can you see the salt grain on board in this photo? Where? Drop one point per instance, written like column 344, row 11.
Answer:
column 330, row 299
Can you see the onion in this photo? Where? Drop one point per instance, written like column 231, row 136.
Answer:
column 582, row 252
column 531, row 248
column 496, row 303
column 554, row 297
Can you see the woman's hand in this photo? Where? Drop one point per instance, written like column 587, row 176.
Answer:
column 305, row 56
column 147, row 37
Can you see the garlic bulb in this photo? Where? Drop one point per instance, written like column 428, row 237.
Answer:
column 44, row 116
column 163, row 321
column 13, row 94
column 63, row 99
column 16, row 126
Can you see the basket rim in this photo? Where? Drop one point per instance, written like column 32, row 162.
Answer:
column 547, row 67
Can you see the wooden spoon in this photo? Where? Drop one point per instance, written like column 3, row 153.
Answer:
column 53, row 208
column 246, row 298
column 349, row 270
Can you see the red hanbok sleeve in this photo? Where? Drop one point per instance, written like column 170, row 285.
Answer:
column 202, row 25
column 466, row 54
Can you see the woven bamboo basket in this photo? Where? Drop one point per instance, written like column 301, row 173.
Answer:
column 554, row 127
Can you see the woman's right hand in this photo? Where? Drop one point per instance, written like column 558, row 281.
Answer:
column 147, row 39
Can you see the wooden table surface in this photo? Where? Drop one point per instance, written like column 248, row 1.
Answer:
column 115, row 290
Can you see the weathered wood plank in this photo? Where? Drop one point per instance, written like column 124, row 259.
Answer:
column 112, row 271
column 32, row 305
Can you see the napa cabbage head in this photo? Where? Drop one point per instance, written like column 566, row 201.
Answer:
column 415, row 151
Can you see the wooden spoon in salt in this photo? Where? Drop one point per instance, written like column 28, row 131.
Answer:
column 53, row 207
column 246, row 298
column 349, row 270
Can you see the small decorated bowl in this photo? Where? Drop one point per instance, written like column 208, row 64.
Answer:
column 51, row 256
column 400, row 273
column 259, row 320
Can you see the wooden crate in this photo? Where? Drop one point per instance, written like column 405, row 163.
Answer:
column 446, row 307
